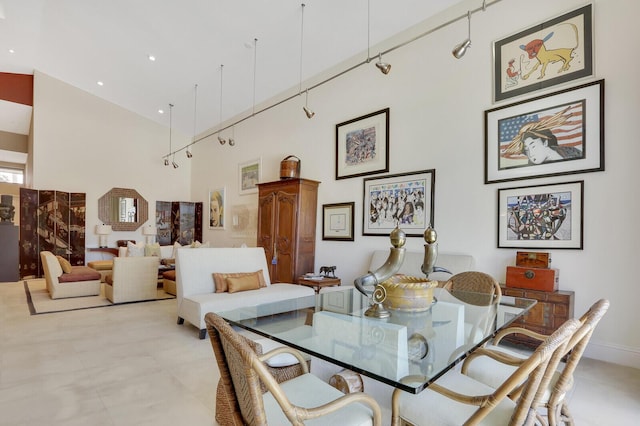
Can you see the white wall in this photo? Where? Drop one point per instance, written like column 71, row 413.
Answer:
column 437, row 110
column 85, row 144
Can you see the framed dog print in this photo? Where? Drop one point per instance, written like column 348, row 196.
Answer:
column 541, row 217
column 362, row 145
column 554, row 52
column 558, row 134
column 337, row 221
column 249, row 175
column 404, row 200
column 216, row 208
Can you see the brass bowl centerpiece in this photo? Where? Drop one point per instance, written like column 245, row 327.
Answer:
column 408, row 294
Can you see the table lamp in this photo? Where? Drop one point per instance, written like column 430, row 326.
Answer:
column 149, row 232
column 103, row 230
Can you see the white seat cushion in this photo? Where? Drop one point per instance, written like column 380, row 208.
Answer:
column 432, row 408
column 309, row 391
column 280, row 360
column 493, row 373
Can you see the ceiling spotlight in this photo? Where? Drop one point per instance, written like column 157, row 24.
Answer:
column 232, row 142
column 459, row 51
column 166, row 161
column 221, row 140
column 383, row 66
column 174, row 164
column 305, row 108
column 189, row 154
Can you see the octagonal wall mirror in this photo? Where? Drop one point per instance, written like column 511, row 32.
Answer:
column 124, row 209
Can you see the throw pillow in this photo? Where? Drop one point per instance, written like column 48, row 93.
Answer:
column 64, row 264
column 152, row 250
column 135, row 250
column 248, row 282
column 220, row 279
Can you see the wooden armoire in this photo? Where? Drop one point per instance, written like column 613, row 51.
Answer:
column 287, row 227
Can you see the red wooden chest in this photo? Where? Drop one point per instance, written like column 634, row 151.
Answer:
column 542, row 279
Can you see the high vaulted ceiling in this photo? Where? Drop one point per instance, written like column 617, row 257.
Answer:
column 82, row 42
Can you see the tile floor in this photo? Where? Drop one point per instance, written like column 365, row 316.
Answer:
column 133, row 365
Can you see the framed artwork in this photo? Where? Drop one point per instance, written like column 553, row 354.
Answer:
column 216, row 208
column 554, row 52
column 558, row 134
column 249, row 175
column 541, row 217
column 362, row 145
column 404, row 200
column 337, row 221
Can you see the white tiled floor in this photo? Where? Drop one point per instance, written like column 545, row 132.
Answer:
column 133, row 365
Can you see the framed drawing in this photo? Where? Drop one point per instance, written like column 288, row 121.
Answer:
column 216, row 208
column 554, row 52
column 558, row 134
column 404, row 199
column 337, row 221
column 249, row 174
column 541, row 217
column 362, row 145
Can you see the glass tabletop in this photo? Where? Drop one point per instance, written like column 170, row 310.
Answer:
column 408, row 350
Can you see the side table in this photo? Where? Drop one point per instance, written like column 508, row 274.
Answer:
column 319, row 283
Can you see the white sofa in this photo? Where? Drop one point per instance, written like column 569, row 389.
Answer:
column 195, row 287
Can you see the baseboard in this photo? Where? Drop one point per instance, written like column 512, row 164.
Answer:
column 615, row 354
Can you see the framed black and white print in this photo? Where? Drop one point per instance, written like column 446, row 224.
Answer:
column 547, row 54
column 362, row 145
column 337, row 221
column 541, row 217
column 557, row 134
column 404, row 200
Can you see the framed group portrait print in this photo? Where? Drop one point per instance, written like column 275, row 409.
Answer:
column 404, row 200
column 557, row 134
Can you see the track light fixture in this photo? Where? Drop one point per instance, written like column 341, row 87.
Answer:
column 383, row 66
column 189, row 154
column 166, row 161
column 305, row 108
column 459, row 51
column 232, row 141
column 175, row 165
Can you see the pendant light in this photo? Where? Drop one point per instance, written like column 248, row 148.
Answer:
column 308, row 112
column 220, row 138
column 173, row 159
column 166, row 159
column 195, row 110
column 384, row 67
column 459, row 51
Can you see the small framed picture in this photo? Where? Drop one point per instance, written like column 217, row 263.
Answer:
column 362, row 145
column 547, row 54
column 249, row 175
column 216, row 208
column 404, row 200
column 337, row 221
column 541, row 217
column 558, row 134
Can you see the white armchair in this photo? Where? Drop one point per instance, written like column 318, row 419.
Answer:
column 133, row 279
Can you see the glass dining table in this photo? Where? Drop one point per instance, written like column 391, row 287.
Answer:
column 421, row 346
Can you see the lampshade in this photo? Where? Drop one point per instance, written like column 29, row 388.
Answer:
column 149, row 230
column 103, row 229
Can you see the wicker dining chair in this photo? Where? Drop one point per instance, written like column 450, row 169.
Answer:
column 456, row 399
column 262, row 400
column 491, row 372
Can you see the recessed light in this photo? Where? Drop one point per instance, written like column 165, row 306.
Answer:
column 12, row 51
column 160, row 111
column 151, row 58
column 100, row 83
